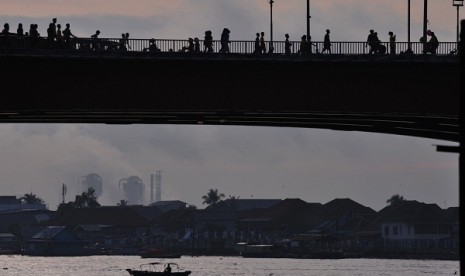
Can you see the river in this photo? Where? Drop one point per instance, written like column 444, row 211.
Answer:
column 215, row 266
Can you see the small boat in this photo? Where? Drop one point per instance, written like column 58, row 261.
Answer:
column 158, row 268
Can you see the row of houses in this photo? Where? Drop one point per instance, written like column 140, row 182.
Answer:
column 301, row 229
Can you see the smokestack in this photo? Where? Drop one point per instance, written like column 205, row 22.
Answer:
column 158, row 186
column 151, row 188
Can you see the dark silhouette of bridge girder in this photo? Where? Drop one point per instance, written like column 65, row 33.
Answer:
column 405, row 96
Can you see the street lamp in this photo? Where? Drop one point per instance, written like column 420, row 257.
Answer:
column 409, row 48
column 308, row 18
column 271, row 48
column 458, row 4
column 425, row 24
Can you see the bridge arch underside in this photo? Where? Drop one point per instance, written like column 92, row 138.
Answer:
column 404, row 97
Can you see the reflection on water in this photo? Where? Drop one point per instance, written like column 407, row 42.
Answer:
column 213, row 266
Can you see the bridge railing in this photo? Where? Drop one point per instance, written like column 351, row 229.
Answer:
column 236, row 46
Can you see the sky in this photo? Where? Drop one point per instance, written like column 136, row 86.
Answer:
column 249, row 162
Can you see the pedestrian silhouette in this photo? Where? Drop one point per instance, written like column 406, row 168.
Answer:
column 392, row 43
column 53, row 27
column 20, row 31
column 59, row 36
column 303, row 45
column 371, row 41
column 262, row 46
column 20, row 35
column 433, row 44
column 95, row 41
column 225, row 41
column 326, row 43
column 257, row 48
column 152, row 46
column 34, row 35
column 196, row 45
column 6, row 29
column 208, row 42
column 67, row 34
column 287, row 45
column 191, row 46
column 4, row 36
column 50, row 35
column 376, row 43
column 310, row 44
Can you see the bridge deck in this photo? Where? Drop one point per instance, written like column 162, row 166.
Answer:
column 403, row 94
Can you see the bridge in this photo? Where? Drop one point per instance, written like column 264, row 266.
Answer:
column 414, row 94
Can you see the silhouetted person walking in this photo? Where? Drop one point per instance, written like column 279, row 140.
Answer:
column 262, row 43
column 225, row 41
column 196, row 45
column 53, row 28
column 191, row 46
column 309, row 45
column 59, row 36
column 257, row 48
column 303, row 45
column 124, row 42
column 287, row 45
column 392, row 43
column 50, row 35
column 208, row 42
column 20, row 34
column 34, row 35
column 326, row 43
column 20, row 31
column 67, row 34
column 95, row 41
column 371, row 41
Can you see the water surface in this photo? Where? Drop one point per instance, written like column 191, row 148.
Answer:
column 215, row 266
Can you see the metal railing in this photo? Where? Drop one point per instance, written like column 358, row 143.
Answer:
column 236, row 46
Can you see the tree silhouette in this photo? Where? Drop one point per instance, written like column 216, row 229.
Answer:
column 87, row 199
column 123, row 202
column 31, row 199
column 212, row 197
column 395, row 199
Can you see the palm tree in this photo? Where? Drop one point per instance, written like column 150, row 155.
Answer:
column 212, row 197
column 395, row 199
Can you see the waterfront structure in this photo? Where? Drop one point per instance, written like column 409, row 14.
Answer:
column 413, row 225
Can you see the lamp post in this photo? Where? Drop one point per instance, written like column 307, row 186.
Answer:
column 271, row 48
column 458, row 4
column 409, row 47
column 425, row 24
column 308, row 18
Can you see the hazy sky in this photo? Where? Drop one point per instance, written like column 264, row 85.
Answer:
column 250, row 162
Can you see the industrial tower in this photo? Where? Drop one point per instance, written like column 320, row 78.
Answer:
column 155, row 179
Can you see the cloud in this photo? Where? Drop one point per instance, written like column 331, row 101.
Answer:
column 315, row 165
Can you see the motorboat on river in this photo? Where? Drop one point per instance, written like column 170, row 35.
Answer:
column 158, row 268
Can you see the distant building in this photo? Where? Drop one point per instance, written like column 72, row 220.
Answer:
column 243, row 204
column 416, row 225
column 11, row 203
column 24, row 223
column 56, row 241
column 168, row 205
